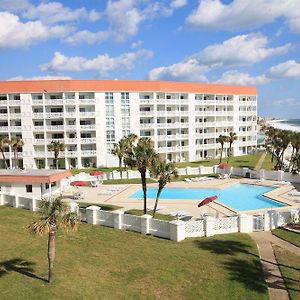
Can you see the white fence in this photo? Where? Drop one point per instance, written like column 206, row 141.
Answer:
column 175, row 230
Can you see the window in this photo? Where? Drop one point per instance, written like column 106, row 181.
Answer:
column 28, row 188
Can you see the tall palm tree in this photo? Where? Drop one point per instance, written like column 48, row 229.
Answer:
column 130, row 139
column 230, row 139
column 4, row 143
column 221, row 139
column 16, row 143
column 55, row 215
column 164, row 172
column 141, row 156
column 56, row 147
column 119, row 150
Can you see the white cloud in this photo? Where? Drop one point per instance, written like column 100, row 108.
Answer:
column 240, row 50
column 103, row 63
column 16, row 34
column 287, row 102
column 124, row 18
column 189, row 70
column 288, row 69
column 136, row 44
column 243, row 14
column 46, row 77
column 55, row 12
column 178, row 3
column 239, row 78
column 14, row 5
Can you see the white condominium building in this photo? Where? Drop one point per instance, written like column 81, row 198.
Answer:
column 183, row 119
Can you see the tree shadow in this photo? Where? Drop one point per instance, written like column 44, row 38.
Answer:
column 19, row 265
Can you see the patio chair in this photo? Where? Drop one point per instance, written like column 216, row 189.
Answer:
column 294, row 193
column 188, row 180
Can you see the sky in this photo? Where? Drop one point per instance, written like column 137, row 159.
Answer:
column 239, row 42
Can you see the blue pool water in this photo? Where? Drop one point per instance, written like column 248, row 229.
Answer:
column 239, row 197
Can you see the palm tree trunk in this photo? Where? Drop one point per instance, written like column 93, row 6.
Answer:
column 15, row 157
column 5, row 162
column 56, row 159
column 51, row 255
column 120, row 167
column 221, row 155
column 144, row 185
column 156, row 200
column 229, row 153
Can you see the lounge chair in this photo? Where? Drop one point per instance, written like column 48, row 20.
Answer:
column 187, row 180
column 294, row 193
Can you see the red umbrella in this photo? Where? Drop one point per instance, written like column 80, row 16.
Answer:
column 79, row 183
column 96, row 173
column 224, row 166
column 207, row 200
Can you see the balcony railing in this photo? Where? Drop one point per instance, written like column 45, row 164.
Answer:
column 55, row 128
column 88, row 141
column 39, row 115
column 15, row 116
column 90, row 114
column 3, row 102
column 15, row 128
column 54, row 101
column 88, row 152
column 14, row 102
column 52, row 115
column 147, row 125
column 3, row 116
column 89, row 127
column 4, row 128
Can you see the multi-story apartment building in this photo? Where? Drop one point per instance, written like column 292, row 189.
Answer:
column 89, row 116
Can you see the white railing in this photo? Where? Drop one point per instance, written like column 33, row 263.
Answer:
column 14, row 102
column 146, row 125
column 3, row 116
column 91, row 126
column 39, row 115
column 53, row 101
column 88, row 152
column 146, row 113
column 39, row 128
column 86, row 101
column 90, row 114
column 175, row 230
column 71, row 127
column 15, row 128
column 88, row 141
column 52, row 115
column 15, row 115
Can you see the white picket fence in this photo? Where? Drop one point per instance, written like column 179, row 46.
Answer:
column 176, row 230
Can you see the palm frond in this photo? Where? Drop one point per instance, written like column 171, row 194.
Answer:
column 69, row 222
column 40, row 227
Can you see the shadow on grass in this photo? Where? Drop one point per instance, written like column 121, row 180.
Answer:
column 19, row 265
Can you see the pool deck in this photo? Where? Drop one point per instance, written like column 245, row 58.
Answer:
column 120, row 195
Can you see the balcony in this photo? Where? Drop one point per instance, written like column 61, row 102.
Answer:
column 14, row 102
column 15, row 128
column 86, row 101
column 37, row 101
column 4, row 128
column 39, row 128
column 172, row 149
column 87, row 114
column 88, row 141
column 72, row 154
column 3, row 116
column 146, row 101
column 15, row 115
column 3, row 102
column 54, row 115
column 146, row 113
column 39, row 141
column 70, row 127
column 72, row 141
column 88, row 127
column 55, row 128
column 147, row 126
column 39, row 115
column 53, row 101
column 88, row 153
column 70, row 114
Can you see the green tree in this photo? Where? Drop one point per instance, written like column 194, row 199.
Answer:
column 4, row 143
column 230, row 139
column 222, row 140
column 16, row 143
column 119, row 150
column 163, row 171
column 141, row 156
column 56, row 147
column 55, row 215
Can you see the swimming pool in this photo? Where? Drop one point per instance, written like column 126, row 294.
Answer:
column 239, row 197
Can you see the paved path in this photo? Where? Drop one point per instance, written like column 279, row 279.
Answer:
column 260, row 162
column 276, row 286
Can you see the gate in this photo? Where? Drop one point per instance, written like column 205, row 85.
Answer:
column 258, row 222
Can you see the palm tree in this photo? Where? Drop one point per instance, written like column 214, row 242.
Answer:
column 141, row 156
column 130, row 139
column 119, row 150
column 4, row 143
column 164, row 172
column 16, row 143
column 56, row 147
column 55, row 215
column 221, row 139
column 230, row 139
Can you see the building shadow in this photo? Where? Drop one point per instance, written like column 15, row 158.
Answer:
column 20, row 266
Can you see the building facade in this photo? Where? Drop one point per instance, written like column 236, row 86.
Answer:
column 183, row 119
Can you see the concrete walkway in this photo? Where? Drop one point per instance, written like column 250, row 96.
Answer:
column 274, row 280
column 260, row 162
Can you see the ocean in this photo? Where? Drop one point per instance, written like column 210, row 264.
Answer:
column 292, row 122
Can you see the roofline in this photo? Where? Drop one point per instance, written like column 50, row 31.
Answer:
column 42, row 86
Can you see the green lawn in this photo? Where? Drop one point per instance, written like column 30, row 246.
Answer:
column 104, row 206
column 267, row 163
column 289, row 265
column 89, row 170
column 289, row 236
column 137, row 212
column 102, row 263
column 127, row 181
column 237, row 161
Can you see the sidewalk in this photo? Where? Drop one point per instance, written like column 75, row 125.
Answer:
column 274, row 280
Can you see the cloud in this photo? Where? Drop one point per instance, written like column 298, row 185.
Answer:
column 14, row 5
column 242, row 14
column 55, row 12
column 104, row 64
column 46, row 77
column 124, row 18
column 189, row 70
column 288, row 69
column 16, row 34
column 240, row 50
column 239, row 78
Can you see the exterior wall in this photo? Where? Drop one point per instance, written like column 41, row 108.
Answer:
column 184, row 126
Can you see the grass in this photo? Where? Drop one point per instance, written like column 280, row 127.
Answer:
column 289, row 265
column 267, row 163
column 107, row 207
column 137, row 212
column 292, row 237
column 127, row 181
column 102, row 263
column 89, row 170
column 182, row 177
column 249, row 161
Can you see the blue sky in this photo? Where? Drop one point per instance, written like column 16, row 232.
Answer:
column 246, row 42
